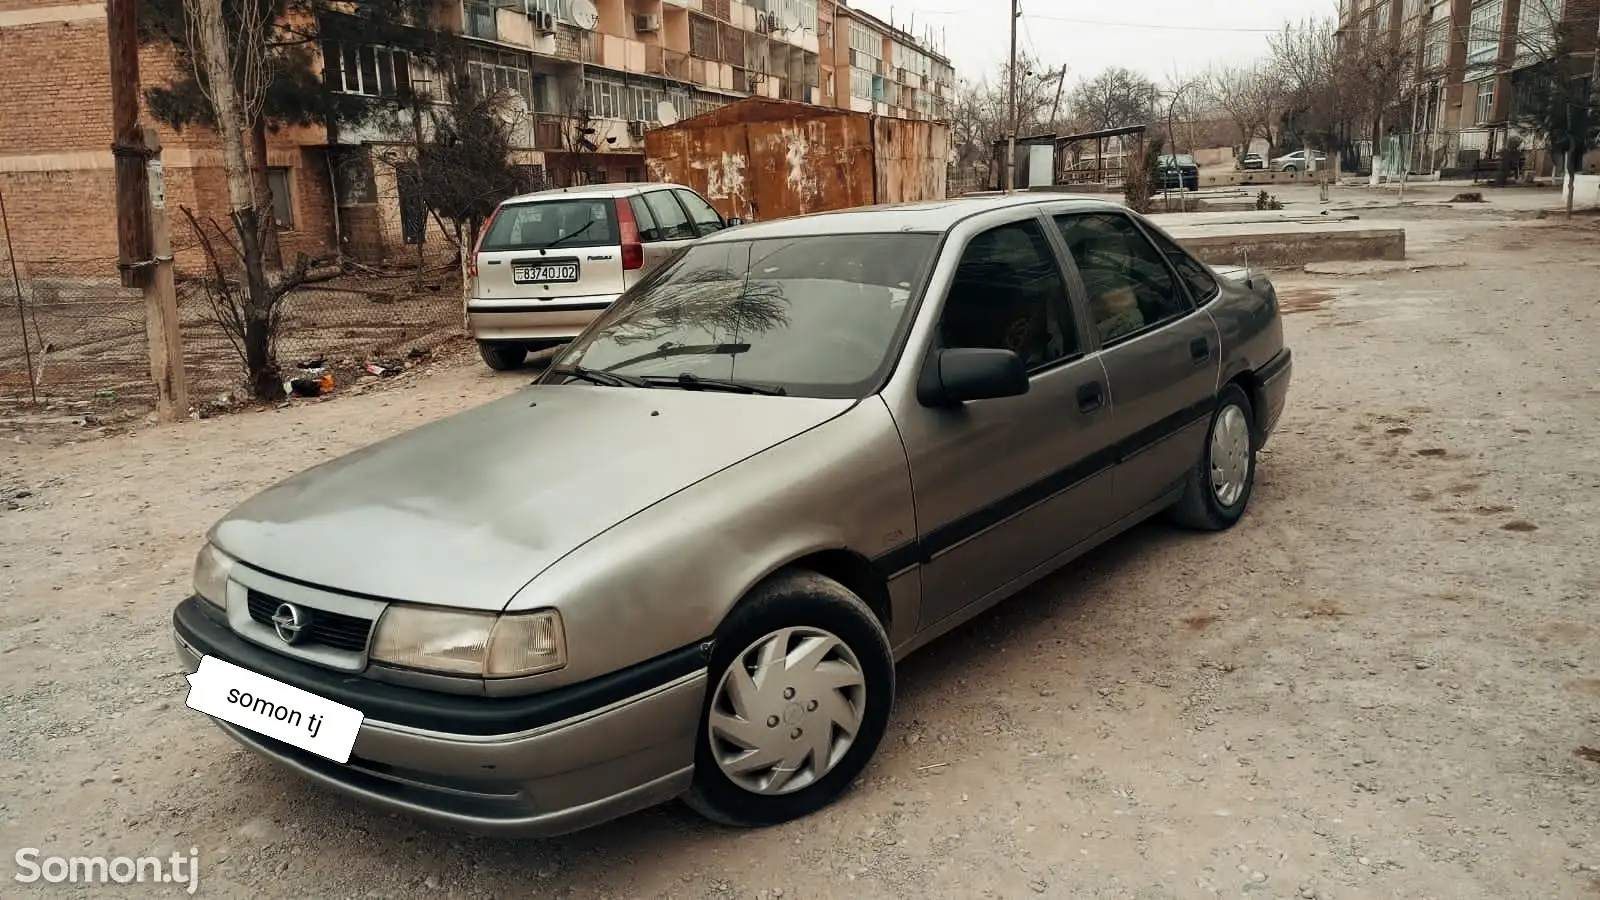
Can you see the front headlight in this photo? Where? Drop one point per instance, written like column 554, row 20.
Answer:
column 485, row 645
column 211, row 568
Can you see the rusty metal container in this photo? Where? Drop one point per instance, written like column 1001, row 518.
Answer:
column 766, row 159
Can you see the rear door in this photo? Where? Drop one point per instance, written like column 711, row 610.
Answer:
column 705, row 218
column 673, row 228
column 1162, row 354
column 563, row 248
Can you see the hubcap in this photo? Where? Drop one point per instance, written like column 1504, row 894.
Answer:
column 787, row 709
column 1230, row 455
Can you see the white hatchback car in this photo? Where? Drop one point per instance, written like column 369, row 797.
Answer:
column 547, row 263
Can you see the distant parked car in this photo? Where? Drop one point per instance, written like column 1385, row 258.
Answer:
column 547, row 263
column 1179, row 173
column 1296, row 161
column 1252, row 161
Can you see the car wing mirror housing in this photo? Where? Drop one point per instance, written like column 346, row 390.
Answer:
column 958, row 375
column 734, row 222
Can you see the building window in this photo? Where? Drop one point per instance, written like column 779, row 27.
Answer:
column 364, row 69
column 1483, row 33
column 1485, row 100
column 704, row 38
column 478, row 19
column 1437, row 44
column 860, row 83
column 280, row 181
column 865, row 41
column 490, row 71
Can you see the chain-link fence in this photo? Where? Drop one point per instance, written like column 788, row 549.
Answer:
column 73, row 340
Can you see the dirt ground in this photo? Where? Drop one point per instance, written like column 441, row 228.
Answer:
column 1380, row 684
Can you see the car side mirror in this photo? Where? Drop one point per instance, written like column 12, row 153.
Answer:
column 734, row 222
column 963, row 374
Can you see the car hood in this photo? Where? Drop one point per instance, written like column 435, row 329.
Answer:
column 465, row 511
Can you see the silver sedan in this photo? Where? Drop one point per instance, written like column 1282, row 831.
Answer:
column 686, row 560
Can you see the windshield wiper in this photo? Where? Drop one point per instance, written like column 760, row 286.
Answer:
column 585, row 227
column 692, row 382
column 598, row 376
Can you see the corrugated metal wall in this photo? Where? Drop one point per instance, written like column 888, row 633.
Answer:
column 769, row 159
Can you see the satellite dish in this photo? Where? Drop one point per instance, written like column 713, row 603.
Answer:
column 666, row 113
column 584, row 14
column 790, row 21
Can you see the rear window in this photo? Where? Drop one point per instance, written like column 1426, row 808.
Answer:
column 574, row 223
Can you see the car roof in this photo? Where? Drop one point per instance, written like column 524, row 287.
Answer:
column 930, row 216
column 592, row 191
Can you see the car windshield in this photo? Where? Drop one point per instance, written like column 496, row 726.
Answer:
column 589, row 222
column 816, row 316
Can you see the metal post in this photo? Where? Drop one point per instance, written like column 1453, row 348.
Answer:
column 161, row 298
column 22, row 316
column 1011, row 142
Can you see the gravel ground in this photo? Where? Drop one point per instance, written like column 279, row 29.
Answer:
column 1380, row 684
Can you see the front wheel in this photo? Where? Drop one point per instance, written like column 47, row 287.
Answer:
column 1291, row 169
column 1219, row 486
column 800, row 691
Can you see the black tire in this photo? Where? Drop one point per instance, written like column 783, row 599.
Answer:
column 503, row 356
column 1200, row 508
column 1291, row 168
column 794, row 598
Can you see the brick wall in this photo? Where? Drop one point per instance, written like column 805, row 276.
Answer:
column 55, row 137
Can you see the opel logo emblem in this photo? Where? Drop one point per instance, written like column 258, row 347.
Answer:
column 290, row 622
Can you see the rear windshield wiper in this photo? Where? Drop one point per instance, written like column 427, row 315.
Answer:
column 585, row 227
column 598, row 376
column 693, row 382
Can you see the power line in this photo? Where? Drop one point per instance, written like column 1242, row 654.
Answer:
column 1102, row 23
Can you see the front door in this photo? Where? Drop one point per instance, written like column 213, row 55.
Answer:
column 1006, row 486
column 1161, row 353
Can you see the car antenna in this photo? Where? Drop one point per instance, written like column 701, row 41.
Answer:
column 1248, row 276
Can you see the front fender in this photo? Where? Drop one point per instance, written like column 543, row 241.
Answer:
column 666, row 577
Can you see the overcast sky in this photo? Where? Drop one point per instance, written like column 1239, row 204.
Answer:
column 1149, row 36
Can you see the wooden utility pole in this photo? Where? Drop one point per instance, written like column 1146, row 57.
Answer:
column 161, row 299
column 127, row 144
column 1011, row 141
column 144, row 245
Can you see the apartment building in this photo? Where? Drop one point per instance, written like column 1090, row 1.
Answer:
column 587, row 79
column 1472, row 59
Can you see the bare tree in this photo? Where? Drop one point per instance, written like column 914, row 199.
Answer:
column 979, row 115
column 1249, row 97
column 214, row 62
column 1115, row 98
column 1557, row 88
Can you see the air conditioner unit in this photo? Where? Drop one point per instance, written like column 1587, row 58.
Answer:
column 543, row 22
column 636, row 129
column 647, row 23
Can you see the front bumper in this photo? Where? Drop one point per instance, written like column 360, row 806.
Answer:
column 546, row 778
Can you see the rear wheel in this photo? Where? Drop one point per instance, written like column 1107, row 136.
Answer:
column 1291, row 168
column 801, row 686
column 1219, row 486
column 503, row 356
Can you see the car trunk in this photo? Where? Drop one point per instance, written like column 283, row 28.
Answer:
column 561, row 249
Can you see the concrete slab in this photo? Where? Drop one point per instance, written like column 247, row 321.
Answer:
column 1251, row 217
column 1275, row 245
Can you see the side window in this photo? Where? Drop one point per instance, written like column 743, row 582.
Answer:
column 648, row 230
column 700, row 212
column 1008, row 294
column 1202, row 284
column 670, row 218
column 1129, row 285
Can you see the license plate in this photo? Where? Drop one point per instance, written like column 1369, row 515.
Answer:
column 268, row 706
column 544, row 273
